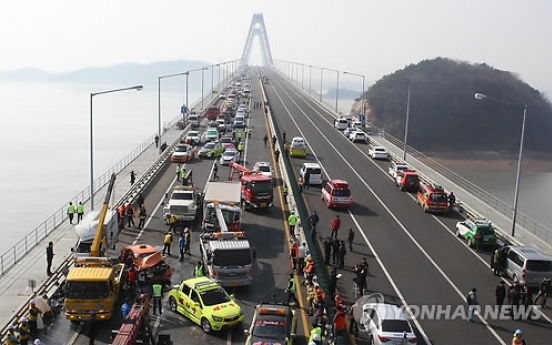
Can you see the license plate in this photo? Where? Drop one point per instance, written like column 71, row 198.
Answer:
column 263, row 205
column 232, row 283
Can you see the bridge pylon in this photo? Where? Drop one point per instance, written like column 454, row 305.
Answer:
column 258, row 29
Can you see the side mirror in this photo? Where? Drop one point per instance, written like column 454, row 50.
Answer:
column 246, row 332
column 197, row 305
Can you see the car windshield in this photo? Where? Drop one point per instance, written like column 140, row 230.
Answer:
column 539, row 265
column 239, row 257
column 214, row 297
column 209, row 146
column 264, row 168
column 87, row 290
column 485, row 230
column 271, row 329
column 341, row 192
column 438, row 197
column 182, row 196
column 192, row 134
column 395, row 326
column 379, row 149
column 314, row 171
column 182, row 149
column 229, row 154
column 261, row 187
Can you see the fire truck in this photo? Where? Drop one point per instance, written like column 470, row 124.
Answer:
column 227, row 255
column 257, row 190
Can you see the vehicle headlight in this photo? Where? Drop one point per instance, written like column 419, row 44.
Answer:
column 217, row 318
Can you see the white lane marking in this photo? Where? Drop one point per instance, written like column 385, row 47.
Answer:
column 359, row 228
column 382, row 203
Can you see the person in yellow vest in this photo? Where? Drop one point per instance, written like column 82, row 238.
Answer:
column 285, row 192
column 183, row 175
column 24, row 331
column 71, row 212
column 291, row 288
column 199, row 270
column 167, row 243
column 32, row 316
column 172, row 220
column 80, row 211
column 11, row 338
column 157, row 298
column 178, row 168
column 292, row 220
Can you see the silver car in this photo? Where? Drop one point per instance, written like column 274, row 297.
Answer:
column 229, row 156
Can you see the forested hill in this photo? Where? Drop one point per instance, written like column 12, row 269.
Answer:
column 445, row 116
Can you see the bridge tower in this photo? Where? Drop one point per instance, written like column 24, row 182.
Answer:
column 258, row 29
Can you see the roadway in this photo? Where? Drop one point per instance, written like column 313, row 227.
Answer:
column 414, row 257
column 265, row 230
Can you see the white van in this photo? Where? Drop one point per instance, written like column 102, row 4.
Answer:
column 194, row 120
column 311, row 173
column 527, row 265
column 239, row 121
column 341, row 124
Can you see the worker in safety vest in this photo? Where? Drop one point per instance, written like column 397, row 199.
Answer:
column 80, row 211
column 142, row 215
column 183, row 175
column 292, row 220
column 199, row 270
column 291, row 288
column 24, row 331
column 167, row 243
column 178, row 172
column 316, row 330
column 11, row 338
column 121, row 214
column 32, row 316
column 157, row 297
column 285, row 192
column 71, row 212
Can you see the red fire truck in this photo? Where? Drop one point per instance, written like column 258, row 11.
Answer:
column 257, row 189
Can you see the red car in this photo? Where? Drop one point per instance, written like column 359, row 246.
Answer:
column 336, row 194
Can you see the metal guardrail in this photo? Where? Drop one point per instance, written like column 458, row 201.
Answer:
column 538, row 229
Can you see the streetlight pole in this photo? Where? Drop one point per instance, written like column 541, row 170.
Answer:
column 137, row 88
column 362, row 96
column 406, row 123
column 212, row 80
column 159, row 99
column 337, row 94
column 310, row 80
column 321, row 81
column 202, row 70
column 481, row 96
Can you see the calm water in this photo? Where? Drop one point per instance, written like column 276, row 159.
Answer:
column 44, row 144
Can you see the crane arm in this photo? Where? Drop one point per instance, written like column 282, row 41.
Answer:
column 95, row 248
column 220, row 217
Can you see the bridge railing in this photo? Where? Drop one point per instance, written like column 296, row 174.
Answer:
column 529, row 224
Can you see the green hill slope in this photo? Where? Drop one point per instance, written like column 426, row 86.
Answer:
column 445, row 116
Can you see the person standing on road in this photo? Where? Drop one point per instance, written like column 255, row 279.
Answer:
column 342, row 253
column 350, row 238
column 313, row 219
column 336, row 223
column 335, row 251
column 125, row 309
column 294, row 256
column 265, row 139
column 178, row 168
column 156, row 139
column 181, row 245
column 92, row 328
column 80, row 211
column 471, row 301
column 274, row 140
column 215, row 172
column 199, row 270
column 500, row 294
column 132, row 177
column 292, row 220
column 327, row 250
column 142, row 216
column 49, row 258
column 130, row 212
column 497, row 261
column 291, row 288
column 544, row 290
column 71, row 212
column 187, row 239
column 121, row 214
column 332, row 283
column 302, row 256
column 140, row 199
column 183, row 175
column 339, row 324
column 451, row 200
column 284, row 136
column 167, row 240
column 24, row 331
column 32, row 316
column 157, row 298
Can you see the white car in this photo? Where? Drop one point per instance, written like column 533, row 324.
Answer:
column 341, row 124
column 265, row 168
column 211, row 135
column 357, row 137
column 239, row 121
column 396, row 167
column 193, row 137
column 386, row 324
column 229, row 156
column 348, row 131
column 222, row 95
column 378, row 152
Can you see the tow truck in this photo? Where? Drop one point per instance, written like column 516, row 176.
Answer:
column 136, row 326
column 94, row 282
column 257, row 189
column 183, row 203
column 227, row 255
column 228, row 196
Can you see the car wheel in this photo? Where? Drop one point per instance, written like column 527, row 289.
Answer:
column 205, row 325
column 456, row 232
column 172, row 304
column 469, row 242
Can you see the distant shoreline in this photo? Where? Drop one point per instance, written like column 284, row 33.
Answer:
column 493, row 161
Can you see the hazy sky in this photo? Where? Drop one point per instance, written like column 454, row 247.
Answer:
column 366, row 37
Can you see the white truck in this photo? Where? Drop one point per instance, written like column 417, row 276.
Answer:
column 86, row 231
column 228, row 195
column 184, row 202
column 227, row 255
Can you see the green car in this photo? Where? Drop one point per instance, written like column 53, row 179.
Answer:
column 211, row 150
column 472, row 229
column 205, row 303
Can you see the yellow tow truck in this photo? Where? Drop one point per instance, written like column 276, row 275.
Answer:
column 94, row 284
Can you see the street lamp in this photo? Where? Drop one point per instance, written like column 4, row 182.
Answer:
column 310, row 80
column 321, row 81
column 481, row 96
column 138, row 88
column 362, row 96
column 159, row 99
column 202, row 70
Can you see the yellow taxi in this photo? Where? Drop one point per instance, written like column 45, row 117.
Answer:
column 205, row 303
column 298, row 147
column 272, row 324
